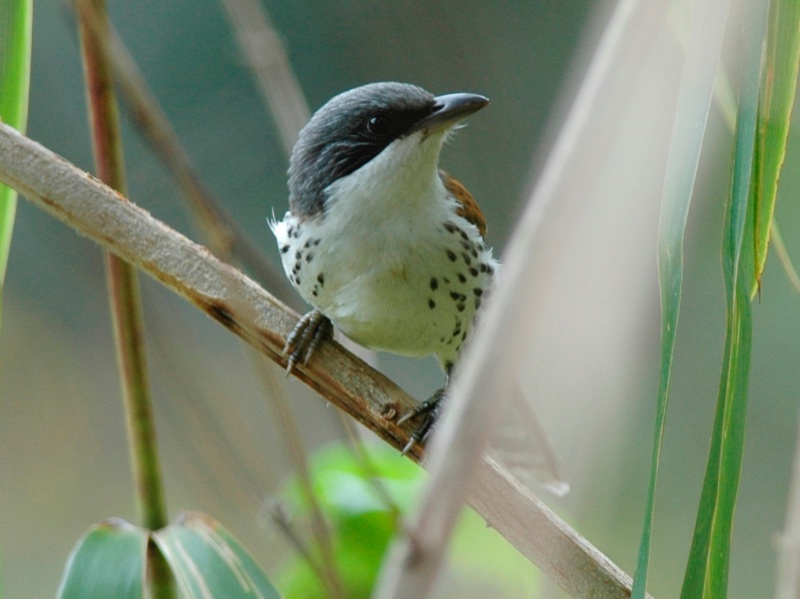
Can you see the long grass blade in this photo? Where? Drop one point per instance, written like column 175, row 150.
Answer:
column 16, row 20
column 694, row 100
column 707, row 569
column 778, row 88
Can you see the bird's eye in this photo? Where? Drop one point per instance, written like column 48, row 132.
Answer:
column 379, row 124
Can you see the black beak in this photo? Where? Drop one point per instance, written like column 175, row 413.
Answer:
column 451, row 109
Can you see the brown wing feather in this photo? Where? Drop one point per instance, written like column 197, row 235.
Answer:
column 469, row 207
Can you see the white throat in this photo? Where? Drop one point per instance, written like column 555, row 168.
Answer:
column 400, row 189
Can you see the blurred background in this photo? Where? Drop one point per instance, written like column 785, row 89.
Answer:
column 63, row 453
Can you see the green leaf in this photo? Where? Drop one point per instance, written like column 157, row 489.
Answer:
column 707, row 569
column 16, row 19
column 108, row 561
column 362, row 503
column 207, row 561
column 694, row 101
column 778, row 88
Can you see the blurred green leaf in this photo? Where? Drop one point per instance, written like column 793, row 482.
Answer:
column 778, row 88
column 108, row 561
column 16, row 18
column 207, row 561
column 363, row 502
column 694, row 101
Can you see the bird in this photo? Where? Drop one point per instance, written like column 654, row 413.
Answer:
column 379, row 240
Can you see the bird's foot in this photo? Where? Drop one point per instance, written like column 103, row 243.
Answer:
column 429, row 410
column 311, row 330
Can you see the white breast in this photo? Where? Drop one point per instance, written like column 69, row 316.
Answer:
column 380, row 262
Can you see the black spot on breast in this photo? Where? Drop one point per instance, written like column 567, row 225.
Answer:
column 462, row 278
column 434, row 284
column 321, row 279
column 477, row 291
column 285, row 249
column 309, row 257
column 467, row 259
column 307, row 244
column 431, row 304
column 473, row 271
column 452, row 255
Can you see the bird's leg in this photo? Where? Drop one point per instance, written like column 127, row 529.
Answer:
column 430, row 409
column 311, row 330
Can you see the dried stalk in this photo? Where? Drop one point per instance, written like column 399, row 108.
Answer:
column 190, row 270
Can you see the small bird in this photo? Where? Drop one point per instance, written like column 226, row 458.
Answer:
column 381, row 242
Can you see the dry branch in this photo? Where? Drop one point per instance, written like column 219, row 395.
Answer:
column 239, row 304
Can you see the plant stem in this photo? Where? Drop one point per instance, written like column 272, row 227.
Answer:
column 125, row 299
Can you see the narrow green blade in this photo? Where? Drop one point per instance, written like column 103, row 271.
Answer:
column 16, row 17
column 706, row 574
column 707, row 569
column 778, row 88
column 207, row 561
column 108, row 561
column 694, row 101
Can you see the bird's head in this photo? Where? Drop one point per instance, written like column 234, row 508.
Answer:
column 398, row 125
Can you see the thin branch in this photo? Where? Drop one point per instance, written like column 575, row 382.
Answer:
column 216, row 224
column 292, row 440
column 126, row 300
column 188, row 269
column 262, row 46
column 278, row 516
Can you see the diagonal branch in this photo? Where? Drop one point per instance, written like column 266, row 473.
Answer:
column 190, row 270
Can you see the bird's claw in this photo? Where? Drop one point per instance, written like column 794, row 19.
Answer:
column 430, row 409
column 311, row 330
